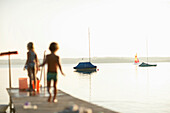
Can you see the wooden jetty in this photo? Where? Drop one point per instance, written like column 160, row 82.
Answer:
column 18, row 98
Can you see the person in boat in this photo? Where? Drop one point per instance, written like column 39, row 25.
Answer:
column 31, row 65
column 53, row 62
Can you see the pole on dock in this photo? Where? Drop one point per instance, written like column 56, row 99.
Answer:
column 43, row 70
column 9, row 63
column 42, row 67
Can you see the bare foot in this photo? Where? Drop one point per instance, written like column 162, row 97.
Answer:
column 35, row 90
column 55, row 100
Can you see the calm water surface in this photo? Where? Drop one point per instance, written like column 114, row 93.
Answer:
column 122, row 87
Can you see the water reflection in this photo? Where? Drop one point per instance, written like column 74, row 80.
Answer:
column 88, row 72
column 142, row 77
column 89, row 75
column 120, row 87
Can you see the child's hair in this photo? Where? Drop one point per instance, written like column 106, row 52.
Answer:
column 53, row 47
column 30, row 46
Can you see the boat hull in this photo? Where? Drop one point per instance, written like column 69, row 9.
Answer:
column 86, row 71
column 147, row 65
column 85, row 67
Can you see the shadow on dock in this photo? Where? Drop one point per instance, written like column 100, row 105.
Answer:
column 39, row 100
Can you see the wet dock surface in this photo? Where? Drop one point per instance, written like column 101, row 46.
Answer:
column 19, row 98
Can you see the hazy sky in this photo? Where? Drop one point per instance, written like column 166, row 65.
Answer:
column 117, row 27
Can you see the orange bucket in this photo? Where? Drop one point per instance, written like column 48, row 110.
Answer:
column 38, row 85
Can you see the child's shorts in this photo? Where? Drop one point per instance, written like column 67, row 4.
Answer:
column 51, row 76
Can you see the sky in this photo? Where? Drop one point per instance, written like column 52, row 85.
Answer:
column 118, row 28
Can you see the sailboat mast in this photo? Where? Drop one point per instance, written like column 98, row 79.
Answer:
column 147, row 48
column 89, row 43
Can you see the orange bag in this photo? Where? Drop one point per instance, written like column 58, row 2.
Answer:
column 23, row 83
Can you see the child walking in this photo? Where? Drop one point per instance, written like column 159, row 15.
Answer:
column 53, row 62
column 31, row 65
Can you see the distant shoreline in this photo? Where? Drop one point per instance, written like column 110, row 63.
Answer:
column 95, row 60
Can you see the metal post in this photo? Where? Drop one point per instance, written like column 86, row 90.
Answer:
column 44, row 80
column 9, row 72
column 89, row 44
column 147, row 49
column 9, row 53
column 44, row 71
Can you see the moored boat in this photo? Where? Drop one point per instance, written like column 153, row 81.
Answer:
column 85, row 66
column 147, row 65
column 143, row 64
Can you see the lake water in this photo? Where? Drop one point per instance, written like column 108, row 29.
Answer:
column 122, row 87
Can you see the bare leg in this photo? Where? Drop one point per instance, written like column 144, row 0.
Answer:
column 30, row 78
column 49, row 91
column 55, row 91
column 34, row 78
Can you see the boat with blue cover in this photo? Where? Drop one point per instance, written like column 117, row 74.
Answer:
column 85, row 66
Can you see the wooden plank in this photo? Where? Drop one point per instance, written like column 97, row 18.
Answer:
column 40, row 99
